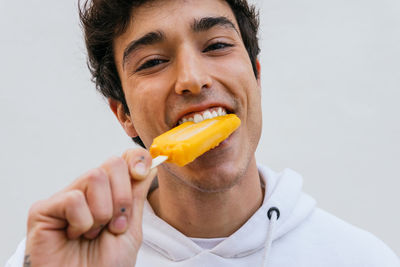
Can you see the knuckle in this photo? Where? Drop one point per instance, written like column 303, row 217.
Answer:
column 75, row 198
column 138, row 150
column 34, row 211
column 97, row 176
column 35, row 208
column 115, row 163
column 96, row 172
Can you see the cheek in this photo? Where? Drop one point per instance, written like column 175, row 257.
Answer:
column 145, row 105
column 234, row 65
column 236, row 74
column 143, row 95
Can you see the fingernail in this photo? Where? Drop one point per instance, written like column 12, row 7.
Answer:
column 120, row 223
column 140, row 168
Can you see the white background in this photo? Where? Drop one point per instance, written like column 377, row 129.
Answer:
column 331, row 87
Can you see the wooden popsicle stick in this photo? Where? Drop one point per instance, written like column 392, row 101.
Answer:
column 158, row 160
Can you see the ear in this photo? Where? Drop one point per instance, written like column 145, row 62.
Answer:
column 124, row 118
column 258, row 65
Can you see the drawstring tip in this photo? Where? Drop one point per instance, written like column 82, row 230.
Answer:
column 271, row 210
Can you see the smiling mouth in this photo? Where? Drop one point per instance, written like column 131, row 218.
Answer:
column 203, row 115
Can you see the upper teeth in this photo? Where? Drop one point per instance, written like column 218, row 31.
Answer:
column 203, row 115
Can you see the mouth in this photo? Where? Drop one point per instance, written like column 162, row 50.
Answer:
column 199, row 116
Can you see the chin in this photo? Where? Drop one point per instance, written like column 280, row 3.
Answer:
column 217, row 170
column 211, row 176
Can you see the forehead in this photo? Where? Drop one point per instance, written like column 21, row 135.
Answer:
column 170, row 14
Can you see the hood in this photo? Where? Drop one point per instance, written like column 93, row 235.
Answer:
column 283, row 191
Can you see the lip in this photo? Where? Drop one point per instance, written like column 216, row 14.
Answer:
column 201, row 107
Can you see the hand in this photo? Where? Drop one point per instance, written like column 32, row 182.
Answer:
column 97, row 220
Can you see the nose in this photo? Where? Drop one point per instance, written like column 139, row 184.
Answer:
column 191, row 74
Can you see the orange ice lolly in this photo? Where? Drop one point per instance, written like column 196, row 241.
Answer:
column 186, row 142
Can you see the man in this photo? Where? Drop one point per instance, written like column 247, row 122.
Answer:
column 160, row 62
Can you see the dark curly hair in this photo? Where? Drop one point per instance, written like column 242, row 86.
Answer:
column 104, row 20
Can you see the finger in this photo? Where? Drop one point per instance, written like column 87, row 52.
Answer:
column 66, row 209
column 139, row 162
column 120, row 182
column 78, row 214
column 140, row 190
column 97, row 189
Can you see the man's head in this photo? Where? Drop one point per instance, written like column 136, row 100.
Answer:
column 104, row 20
column 160, row 61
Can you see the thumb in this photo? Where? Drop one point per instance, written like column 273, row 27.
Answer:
column 140, row 190
column 139, row 162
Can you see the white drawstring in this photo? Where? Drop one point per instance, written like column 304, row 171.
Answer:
column 273, row 216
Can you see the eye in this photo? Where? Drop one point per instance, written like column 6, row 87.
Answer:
column 151, row 63
column 216, row 46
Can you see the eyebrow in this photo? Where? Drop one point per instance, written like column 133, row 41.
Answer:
column 148, row 39
column 198, row 25
column 206, row 23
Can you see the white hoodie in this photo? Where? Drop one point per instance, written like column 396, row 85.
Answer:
column 302, row 236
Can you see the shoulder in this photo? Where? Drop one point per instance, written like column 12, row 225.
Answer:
column 348, row 242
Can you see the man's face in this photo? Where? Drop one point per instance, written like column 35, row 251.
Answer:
column 178, row 58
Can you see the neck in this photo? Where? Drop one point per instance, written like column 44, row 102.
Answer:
column 204, row 214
